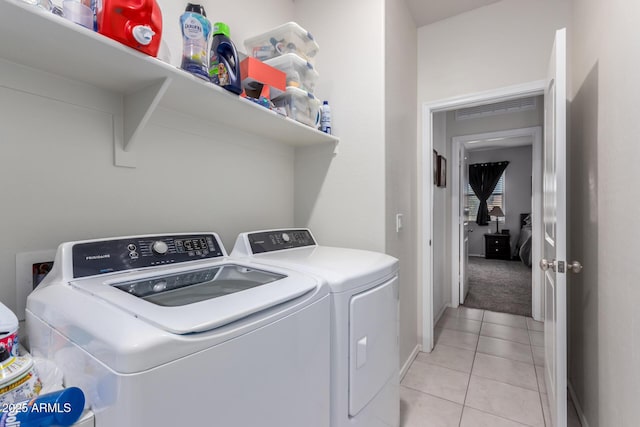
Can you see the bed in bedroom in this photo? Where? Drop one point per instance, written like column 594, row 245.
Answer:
column 523, row 248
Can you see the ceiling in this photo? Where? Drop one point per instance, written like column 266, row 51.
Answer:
column 427, row 12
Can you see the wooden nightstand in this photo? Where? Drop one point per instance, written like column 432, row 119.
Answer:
column 497, row 246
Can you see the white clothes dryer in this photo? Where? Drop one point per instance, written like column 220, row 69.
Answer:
column 364, row 319
column 166, row 330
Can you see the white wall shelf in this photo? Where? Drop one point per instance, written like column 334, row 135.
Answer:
column 41, row 40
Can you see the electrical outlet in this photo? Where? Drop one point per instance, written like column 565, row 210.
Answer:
column 30, row 267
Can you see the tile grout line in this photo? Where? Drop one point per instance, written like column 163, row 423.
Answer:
column 500, row 416
column 509, row 384
column 431, row 394
column 544, row 420
column 457, row 349
column 464, row 403
column 425, row 362
column 502, row 324
column 507, row 358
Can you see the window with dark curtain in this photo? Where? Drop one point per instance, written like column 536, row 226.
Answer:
column 483, row 178
column 471, row 201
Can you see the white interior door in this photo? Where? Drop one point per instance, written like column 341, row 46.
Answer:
column 555, row 233
column 464, row 225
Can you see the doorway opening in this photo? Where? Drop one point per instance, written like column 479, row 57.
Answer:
column 440, row 243
column 491, row 264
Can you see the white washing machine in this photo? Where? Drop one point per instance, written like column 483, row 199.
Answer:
column 364, row 320
column 166, row 330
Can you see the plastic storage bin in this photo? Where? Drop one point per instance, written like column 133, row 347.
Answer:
column 300, row 105
column 287, row 38
column 300, row 73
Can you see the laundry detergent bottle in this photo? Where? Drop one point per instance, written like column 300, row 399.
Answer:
column 224, row 67
column 137, row 24
column 195, row 35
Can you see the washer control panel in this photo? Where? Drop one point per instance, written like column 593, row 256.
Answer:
column 276, row 240
column 108, row 256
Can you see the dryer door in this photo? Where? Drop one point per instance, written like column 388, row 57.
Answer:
column 373, row 343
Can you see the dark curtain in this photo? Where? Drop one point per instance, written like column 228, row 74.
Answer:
column 483, row 178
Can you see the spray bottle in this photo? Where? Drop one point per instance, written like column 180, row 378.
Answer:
column 325, row 118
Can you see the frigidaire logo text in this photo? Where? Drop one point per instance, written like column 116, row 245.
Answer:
column 90, row 257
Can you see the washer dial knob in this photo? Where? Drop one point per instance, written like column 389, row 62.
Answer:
column 285, row 237
column 159, row 247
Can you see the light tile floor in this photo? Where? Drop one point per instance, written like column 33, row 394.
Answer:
column 486, row 370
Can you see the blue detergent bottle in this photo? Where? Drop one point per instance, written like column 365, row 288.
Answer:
column 58, row 408
column 195, row 36
column 224, row 67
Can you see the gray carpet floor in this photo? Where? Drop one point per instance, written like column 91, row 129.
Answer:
column 499, row 285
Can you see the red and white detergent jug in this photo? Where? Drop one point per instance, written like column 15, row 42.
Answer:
column 135, row 23
column 8, row 330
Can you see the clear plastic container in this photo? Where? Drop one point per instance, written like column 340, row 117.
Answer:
column 78, row 13
column 300, row 73
column 287, row 38
column 300, row 105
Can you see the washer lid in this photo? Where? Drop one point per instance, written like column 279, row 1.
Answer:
column 344, row 269
column 184, row 301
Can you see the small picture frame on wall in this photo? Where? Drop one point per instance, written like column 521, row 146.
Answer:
column 435, row 168
column 442, row 171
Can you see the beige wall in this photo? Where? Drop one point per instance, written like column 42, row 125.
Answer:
column 342, row 197
column 503, row 44
column 400, row 141
column 604, row 322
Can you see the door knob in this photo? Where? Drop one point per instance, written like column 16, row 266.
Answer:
column 546, row 265
column 574, row 266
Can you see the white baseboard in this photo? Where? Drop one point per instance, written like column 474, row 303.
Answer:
column 477, row 255
column 574, row 398
column 409, row 361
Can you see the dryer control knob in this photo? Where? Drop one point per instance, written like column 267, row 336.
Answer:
column 285, row 237
column 160, row 247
